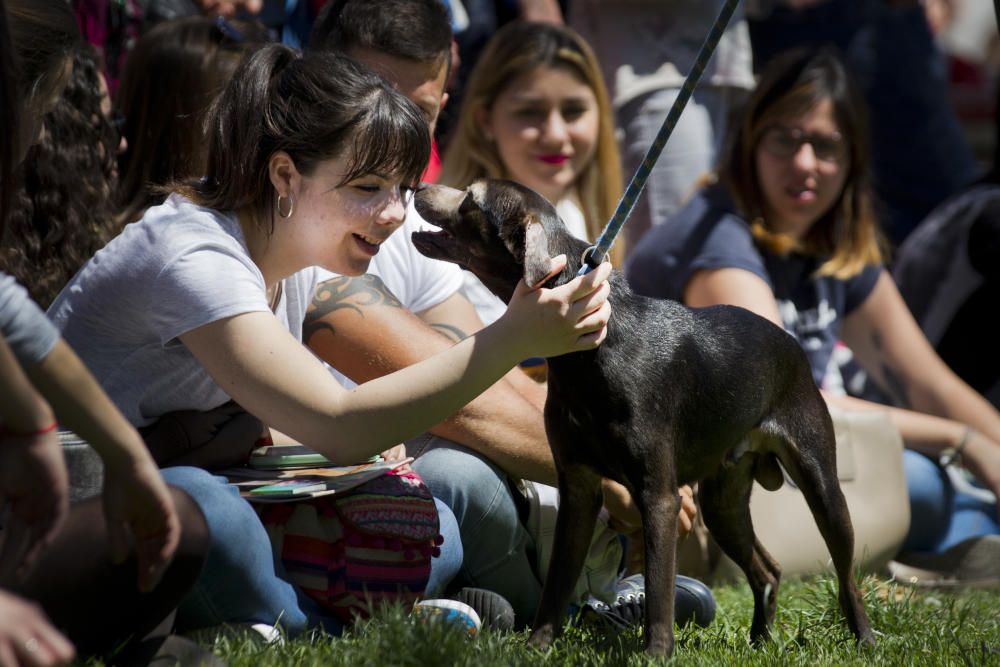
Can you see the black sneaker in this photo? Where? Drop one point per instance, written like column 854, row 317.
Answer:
column 493, row 609
column 693, row 603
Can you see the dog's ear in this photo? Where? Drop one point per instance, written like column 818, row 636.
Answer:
column 537, row 261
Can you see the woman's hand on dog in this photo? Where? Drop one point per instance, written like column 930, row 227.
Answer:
column 567, row 318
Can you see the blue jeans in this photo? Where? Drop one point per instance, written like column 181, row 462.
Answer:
column 942, row 516
column 244, row 582
column 498, row 551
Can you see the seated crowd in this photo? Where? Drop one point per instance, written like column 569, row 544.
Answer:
column 206, row 249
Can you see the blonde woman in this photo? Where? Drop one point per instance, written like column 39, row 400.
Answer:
column 536, row 111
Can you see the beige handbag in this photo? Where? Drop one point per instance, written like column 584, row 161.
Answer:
column 870, row 468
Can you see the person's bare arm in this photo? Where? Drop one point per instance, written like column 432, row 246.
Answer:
column 135, row 497
column 263, row 368
column 357, row 326
column 889, row 344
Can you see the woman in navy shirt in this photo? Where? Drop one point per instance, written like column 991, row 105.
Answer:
column 788, row 231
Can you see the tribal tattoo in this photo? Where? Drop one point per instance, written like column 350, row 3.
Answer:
column 449, row 331
column 345, row 292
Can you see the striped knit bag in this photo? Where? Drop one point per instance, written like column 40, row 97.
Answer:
column 353, row 551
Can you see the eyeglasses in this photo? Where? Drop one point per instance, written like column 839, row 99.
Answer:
column 787, row 141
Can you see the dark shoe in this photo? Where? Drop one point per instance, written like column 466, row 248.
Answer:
column 693, row 602
column 493, row 609
column 974, row 562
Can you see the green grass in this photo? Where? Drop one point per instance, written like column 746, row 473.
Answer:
column 913, row 628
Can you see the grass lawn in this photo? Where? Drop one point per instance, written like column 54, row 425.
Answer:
column 914, row 627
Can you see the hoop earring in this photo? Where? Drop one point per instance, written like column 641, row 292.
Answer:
column 291, row 206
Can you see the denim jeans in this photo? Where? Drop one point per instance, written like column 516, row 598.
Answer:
column 942, row 516
column 498, row 551
column 244, row 582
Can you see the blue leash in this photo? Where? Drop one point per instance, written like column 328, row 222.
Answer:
column 597, row 252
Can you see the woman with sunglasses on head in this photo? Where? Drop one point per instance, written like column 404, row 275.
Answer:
column 788, row 231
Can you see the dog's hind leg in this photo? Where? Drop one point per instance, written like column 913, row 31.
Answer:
column 813, row 468
column 725, row 506
column 579, row 503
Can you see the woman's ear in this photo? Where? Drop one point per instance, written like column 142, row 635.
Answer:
column 284, row 175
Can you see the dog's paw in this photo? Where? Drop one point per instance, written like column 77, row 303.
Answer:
column 541, row 638
column 866, row 641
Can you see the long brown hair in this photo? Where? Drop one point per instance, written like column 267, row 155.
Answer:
column 847, row 237
column 514, row 50
column 315, row 107
column 170, row 79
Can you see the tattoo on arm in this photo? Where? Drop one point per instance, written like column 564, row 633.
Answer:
column 345, row 292
column 894, row 384
column 450, row 332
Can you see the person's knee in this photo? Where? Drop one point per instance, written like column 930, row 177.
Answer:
column 219, row 504
column 471, row 485
column 195, row 534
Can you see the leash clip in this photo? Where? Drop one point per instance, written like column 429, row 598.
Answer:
column 587, row 263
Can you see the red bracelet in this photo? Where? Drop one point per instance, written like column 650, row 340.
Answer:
column 42, row 431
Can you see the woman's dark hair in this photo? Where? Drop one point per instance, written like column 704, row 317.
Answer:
column 63, row 213
column 847, row 236
column 42, row 34
column 315, row 107
column 171, row 77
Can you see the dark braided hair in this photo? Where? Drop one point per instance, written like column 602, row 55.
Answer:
column 63, row 213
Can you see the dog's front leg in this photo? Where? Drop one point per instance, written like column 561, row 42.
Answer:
column 579, row 504
column 659, row 504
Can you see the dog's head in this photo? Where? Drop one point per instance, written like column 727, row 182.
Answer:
column 499, row 230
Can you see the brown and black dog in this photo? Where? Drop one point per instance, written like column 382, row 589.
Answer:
column 673, row 396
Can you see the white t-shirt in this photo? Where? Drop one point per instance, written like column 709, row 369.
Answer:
column 178, row 268
column 487, row 304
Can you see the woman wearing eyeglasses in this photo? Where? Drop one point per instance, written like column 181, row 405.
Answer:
column 787, row 230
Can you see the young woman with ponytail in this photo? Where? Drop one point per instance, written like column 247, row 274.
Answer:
column 311, row 160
